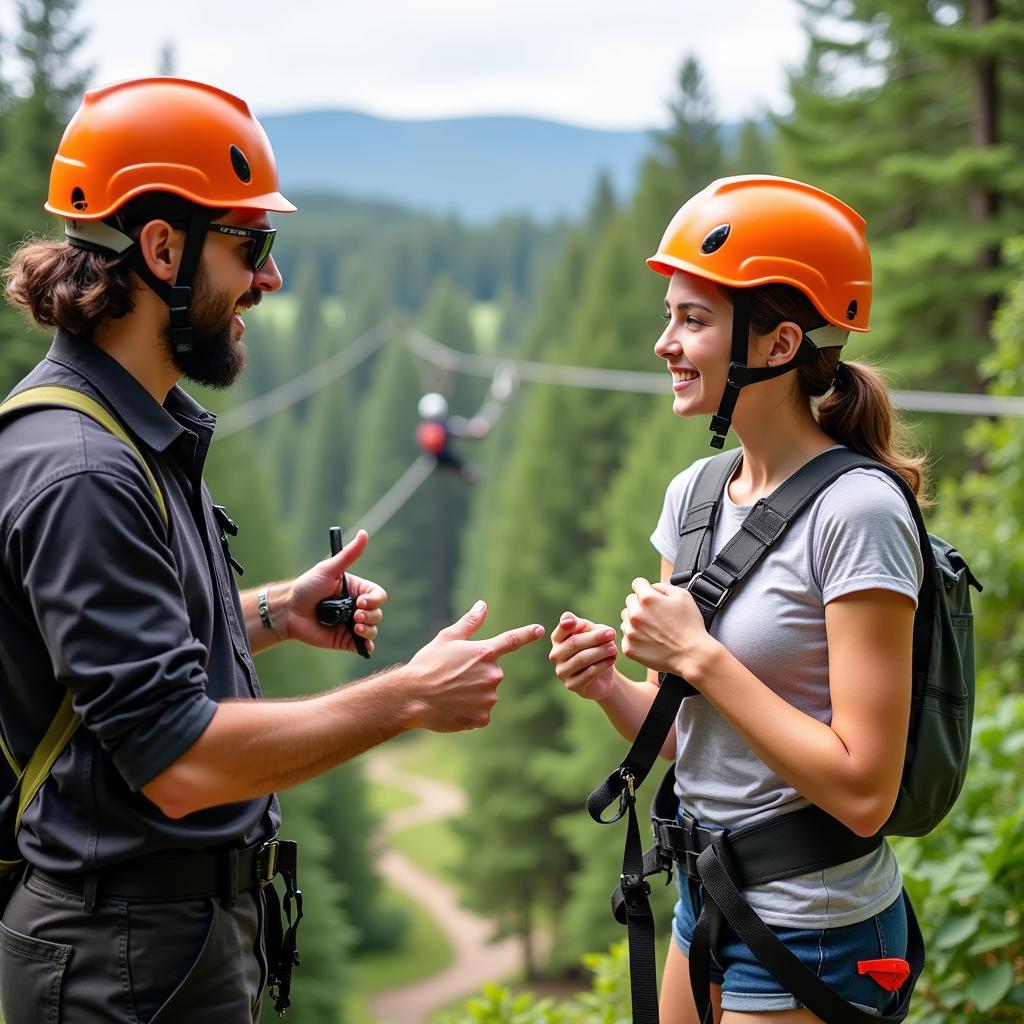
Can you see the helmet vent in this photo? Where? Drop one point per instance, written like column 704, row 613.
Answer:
column 241, row 165
column 78, row 199
column 851, row 310
column 715, row 239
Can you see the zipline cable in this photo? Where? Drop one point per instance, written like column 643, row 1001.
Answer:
column 651, row 383
column 299, row 388
column 640, row 382
column 505, row 374
column 396, row 495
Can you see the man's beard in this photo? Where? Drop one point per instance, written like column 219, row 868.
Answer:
column 214, row 359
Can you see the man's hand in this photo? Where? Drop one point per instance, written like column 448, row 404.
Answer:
column 324, row 581
column 662, row 627
column 584, row 654
column 458, row 677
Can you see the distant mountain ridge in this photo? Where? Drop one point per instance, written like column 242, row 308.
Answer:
column 477, row 168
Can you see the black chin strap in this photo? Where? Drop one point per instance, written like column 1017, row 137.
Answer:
column 179, row 295
column 740, row 375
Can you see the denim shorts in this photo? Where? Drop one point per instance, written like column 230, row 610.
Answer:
column 832, row 953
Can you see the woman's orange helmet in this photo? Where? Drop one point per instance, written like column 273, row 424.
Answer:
column 757, row 229
column 168, row 135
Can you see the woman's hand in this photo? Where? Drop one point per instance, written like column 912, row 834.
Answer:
column 663, row 629
column 584, row 654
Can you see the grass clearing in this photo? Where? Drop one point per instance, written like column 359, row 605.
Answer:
column 439, row 755
column 485, row 319
column 433, row 847
column 383, row 798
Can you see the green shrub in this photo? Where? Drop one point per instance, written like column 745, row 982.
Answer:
column 607, row 1002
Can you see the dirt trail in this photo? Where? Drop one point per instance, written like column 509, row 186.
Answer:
column 475, row 960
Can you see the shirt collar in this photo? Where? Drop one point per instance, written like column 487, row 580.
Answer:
column 157, row 426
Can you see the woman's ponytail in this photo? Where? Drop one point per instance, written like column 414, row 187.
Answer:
column 850, row 400
column 853, row 406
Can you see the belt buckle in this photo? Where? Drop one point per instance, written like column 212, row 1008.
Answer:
column 266, row 862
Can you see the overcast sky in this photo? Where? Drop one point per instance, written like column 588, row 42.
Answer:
column 606, row 63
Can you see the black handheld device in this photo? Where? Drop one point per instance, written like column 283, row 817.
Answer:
column 340, row 611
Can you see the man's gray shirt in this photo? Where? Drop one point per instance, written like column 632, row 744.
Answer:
column 142, row 622
column 858, row 534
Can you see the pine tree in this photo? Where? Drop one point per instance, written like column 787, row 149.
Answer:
column 32, row 120
column 385, row 449
column 687, row 155
column 545, row 528
column 754, row 150
column 547, row 523
column 912, row 114
column 660, row 446
column 445, row 495
column 240, row 481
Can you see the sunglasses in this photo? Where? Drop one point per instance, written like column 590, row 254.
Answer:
column 262, row 241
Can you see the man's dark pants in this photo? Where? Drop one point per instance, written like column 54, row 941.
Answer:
column 129, row 961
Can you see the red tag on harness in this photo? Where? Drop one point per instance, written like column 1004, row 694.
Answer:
column 890, row 973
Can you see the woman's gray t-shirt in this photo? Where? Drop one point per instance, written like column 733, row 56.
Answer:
column 858, row 534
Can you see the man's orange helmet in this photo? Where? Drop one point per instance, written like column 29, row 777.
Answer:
column 161, row 135
column 757, row 229
column 167, row 135
column 754, row 230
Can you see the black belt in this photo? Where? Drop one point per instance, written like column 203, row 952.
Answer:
column 178, row 875
column 781, row 847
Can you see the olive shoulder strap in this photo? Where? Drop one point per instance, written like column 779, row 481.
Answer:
column 65, row 722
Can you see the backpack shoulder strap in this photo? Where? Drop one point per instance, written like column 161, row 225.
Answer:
column 698, row 521
column 65, row 722
column 766, row 522
column 69, row 398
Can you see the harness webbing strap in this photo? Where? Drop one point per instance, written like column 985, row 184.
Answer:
column 56, row 738
column 65, row 721
column 69, row 398
column 771, row 952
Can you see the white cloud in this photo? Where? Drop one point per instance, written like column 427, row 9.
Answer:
column 602, row 62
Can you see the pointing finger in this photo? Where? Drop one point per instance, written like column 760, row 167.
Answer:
column 512, row 639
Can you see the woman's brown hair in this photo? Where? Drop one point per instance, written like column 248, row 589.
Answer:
column 60, row 285
column 854, row 408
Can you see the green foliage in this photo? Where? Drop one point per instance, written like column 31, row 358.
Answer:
column 385, row 449
column 967, row 877
column 358, row 246
column 421, row 950
column 888, row 115
column 606, row 1003
column 966, row 880
column 33, row 113
column 661, row 445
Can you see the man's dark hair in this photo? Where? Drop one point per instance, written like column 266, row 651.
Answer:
column 60, row 285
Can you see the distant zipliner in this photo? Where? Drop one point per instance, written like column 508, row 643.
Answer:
column 437, row 427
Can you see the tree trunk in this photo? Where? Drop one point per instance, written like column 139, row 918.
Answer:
column 529, row 956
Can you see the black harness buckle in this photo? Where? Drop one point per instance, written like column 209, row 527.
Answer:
column 635, row 890
column 704, row 590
